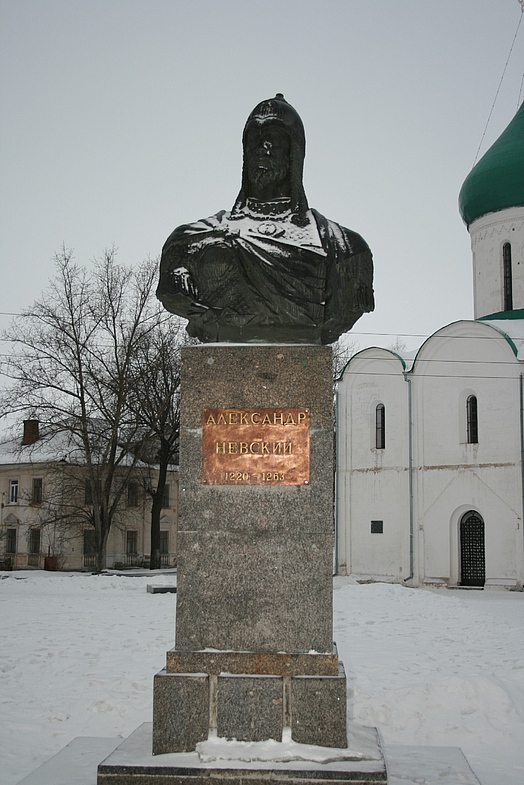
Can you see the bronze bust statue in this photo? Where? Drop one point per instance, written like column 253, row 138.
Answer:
column 270, row 270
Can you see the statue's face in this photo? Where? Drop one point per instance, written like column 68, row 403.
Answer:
column 267, row 156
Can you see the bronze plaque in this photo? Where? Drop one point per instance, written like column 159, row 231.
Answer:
column 255, row 446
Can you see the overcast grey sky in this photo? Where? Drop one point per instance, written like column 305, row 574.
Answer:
column 121, row 119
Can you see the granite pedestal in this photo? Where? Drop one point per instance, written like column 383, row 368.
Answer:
column 255, row 560
column 254, row 634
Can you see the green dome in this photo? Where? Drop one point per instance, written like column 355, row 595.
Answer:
column 497, row 180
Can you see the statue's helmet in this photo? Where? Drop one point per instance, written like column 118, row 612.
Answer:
column 278, row 112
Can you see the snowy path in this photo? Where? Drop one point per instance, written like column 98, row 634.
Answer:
column 428, row 667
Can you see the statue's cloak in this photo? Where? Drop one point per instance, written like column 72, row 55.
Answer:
column 245, row 277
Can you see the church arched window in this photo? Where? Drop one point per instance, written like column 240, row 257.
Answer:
column 508, row 284
column 472, row 420
column 380, row 427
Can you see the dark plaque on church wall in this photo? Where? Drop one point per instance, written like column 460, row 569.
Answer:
column 255, row 446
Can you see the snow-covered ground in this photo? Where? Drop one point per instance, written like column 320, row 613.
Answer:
column 438, row 667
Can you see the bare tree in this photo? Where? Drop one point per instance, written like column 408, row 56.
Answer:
column 343, row 351
column 398, row 345
column 72, row 368
column 156, row 404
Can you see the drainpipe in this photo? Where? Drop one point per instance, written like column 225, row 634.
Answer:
column 522, row 447
column 410, row 475
column 335, row 572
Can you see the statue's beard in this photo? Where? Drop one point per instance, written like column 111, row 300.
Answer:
column 264, row 173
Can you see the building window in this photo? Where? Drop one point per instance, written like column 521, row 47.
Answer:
column 10, row 541
column 164, row 548
column 13, row 491
column 472, row 420
column 165, row 496
column 33, row 556
column 380, row 427
column 89, row 541
column 508, row 284
column 37, row 490
column 132, row 548
column 131, row 543
column 34, row 541
column 89, row 548
column 132, row 494
column 377, row 527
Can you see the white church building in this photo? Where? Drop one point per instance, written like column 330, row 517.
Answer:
column 430, row 483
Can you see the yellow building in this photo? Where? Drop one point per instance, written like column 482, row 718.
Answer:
column 45, row 503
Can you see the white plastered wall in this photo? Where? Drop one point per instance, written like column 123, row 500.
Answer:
column 373, row 484
column 488, row 235
column 451, row 476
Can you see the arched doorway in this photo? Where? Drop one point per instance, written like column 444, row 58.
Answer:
column 472, row 550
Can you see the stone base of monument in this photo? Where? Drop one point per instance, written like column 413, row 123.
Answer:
column 249, row 697
column 235, row 763
column 254, row 647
